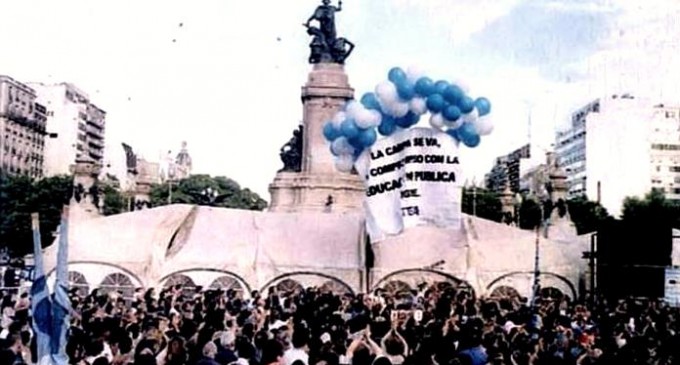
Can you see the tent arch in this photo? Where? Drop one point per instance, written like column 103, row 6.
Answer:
column 401, row 275
column 290, row 275
column 543, row 274
column 244, row 284
column 135, row 278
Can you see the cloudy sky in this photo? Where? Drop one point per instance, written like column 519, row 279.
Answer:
column 225, row 75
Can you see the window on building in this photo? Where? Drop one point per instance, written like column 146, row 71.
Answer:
column 674, row 168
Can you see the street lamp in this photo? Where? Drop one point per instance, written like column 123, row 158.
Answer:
column 210, row 195
column 171, row 180
column 537, row 253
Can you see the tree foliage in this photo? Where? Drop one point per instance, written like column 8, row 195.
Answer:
column 483, row 203
column 195, row 190
column 587, row 215
column 114, row 202
column 654, row 209
column 19, row 197
column 529, row 214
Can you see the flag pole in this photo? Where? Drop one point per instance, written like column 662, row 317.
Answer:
column 40, row 296
column 61, row 304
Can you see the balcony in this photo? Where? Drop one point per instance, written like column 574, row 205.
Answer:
column 96, row 155
column 93, row 123
column 96, row 143
column 95, row 133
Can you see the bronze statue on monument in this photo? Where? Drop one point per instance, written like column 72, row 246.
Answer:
column 326, row 47
column 291, row 152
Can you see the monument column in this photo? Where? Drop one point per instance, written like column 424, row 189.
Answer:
column 326, row 91
column 309, row 181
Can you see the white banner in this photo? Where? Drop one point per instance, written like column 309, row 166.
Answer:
column 413, row 178
column 672, row 287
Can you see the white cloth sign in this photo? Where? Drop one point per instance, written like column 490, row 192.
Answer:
column 672, row 287
column 412, row 178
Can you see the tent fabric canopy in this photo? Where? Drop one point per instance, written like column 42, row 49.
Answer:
column 257, row 246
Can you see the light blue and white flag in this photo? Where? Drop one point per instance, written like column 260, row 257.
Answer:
column 51, row 314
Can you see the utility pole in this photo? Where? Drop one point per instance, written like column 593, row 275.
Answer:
column 537, row 254
column 474, row 197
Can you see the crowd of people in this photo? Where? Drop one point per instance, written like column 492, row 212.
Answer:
column 436, row 325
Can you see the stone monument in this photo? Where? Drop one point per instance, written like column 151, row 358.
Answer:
column 86, row 199
column 309, row 180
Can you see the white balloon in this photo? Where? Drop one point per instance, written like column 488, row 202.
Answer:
column 470, row 117
column 341, row 146
column 413, row 73
column 398, row 109
column 367, row 119
column 454, row 125
column 437, row 121
column 344, row 163
column 354, row 109
column 363, row 119
column 386, row 92
column 418, row 105
column 376, row 117
column 483, row 126
column 338, row 118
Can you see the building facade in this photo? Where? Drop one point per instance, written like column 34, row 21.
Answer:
column 508, row 170
column 175, row 168
column 570, row 148
column 625, row 147
column 22, row 129
column 79, row 126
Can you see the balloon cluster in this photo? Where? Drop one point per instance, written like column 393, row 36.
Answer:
column 398, row 103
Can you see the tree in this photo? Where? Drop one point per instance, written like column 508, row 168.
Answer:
column 653, row 209
column 217, row 191
column 587, row 215
column 529, row 214
column 482, row 203
column 19, row 197
column 114, row 202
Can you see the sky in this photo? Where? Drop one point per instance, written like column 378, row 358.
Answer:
column 225, row 75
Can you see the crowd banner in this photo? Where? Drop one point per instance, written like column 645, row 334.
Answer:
column 672, row 286
column 413, row 177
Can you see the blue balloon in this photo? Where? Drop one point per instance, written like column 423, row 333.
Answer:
column 396, row 75
column 387, row 127
column 370, row 101
column 367, row 137
column 466, row 104
column 330, row 132
column 451, row 113
column 424, row 86
column 483, row 106
column 349, row 128
column 472, row 141
column 356, row 142
column 435, row 103
column 406, row 92
column 453, row 93
column 413, row 118
column 440, row 86
column 468, row 135
column 453, row 133
column 407, row 120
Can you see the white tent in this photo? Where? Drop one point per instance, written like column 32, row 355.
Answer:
column 257, row 249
